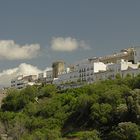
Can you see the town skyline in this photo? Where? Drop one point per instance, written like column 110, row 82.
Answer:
column 33, row 34
column 129, row 56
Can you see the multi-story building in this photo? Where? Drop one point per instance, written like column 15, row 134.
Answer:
column 82, row 71
column 91, row 71
column 88, row 69
column 70, row 77
column 49, row 76
column 130, row 54
column 121, row 67
column 23, row 81
column 42, row 77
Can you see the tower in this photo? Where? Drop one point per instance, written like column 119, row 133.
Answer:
column 58, row 68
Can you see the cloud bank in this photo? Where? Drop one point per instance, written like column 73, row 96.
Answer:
column 11, row 51
column 67, row 44
column 22, row 69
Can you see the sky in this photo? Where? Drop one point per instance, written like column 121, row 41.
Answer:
column 35, row 33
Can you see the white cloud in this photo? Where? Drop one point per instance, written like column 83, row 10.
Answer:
column 67, row 44
column 11, row 51
column 22, row 69
column 47, row 69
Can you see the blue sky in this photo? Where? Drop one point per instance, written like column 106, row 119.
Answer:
column 102, row 26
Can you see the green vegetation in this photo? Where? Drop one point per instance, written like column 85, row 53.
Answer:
column 106, row 110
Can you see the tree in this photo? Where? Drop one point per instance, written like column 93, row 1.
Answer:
column 101, row 113
column 85, row 135
column 89, row 135
column 125, row 131
column 47, row 91
column 136, row 83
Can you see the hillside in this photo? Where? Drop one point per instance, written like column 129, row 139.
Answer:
column 106, row 110
column 2, row 95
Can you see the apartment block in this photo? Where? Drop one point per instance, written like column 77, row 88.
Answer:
column 23, row 81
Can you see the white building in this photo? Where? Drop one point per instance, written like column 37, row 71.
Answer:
column 90, row 72
column 23, row 81
column 70, row 77
column 121, row 65
column 137, row 54
column 83, row 71
column 49, row 76
column 42, row 77
column 130, row 71
column 46, row 77
column 87, row 70
column 123, row 68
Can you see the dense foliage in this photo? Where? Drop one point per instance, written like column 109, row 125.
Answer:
column 105, row 110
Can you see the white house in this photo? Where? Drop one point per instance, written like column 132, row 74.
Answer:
column 67, row 78
column 83, row 71
column 49, row 76
column 23, row 81
column 87, row 70
column 121, row 67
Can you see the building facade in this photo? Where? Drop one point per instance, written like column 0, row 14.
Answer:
column 127, row 61
column 23, row 81
column 49, row 76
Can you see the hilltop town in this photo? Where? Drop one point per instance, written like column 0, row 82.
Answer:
column 104, row 110
column 90, row 70
column 96, row 98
